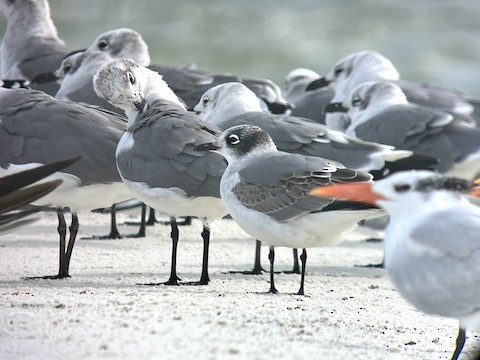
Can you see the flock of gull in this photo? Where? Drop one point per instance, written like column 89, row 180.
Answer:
column 298, row 167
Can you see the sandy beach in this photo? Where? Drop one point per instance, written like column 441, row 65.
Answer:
column 104, row 312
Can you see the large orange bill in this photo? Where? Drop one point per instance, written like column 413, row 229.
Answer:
column 476, row 190
column 360, row 191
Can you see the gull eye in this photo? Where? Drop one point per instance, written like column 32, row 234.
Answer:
column 233, row 139
column 67, row 68
column 402, row 188
column 356, row 101
column 102, row 44
column 131, row 78
column 205, row 101
column 338, row 71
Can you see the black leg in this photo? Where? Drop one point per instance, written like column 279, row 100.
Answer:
column 296, row 265
column 71, row 241
column 142, row 232
column 257, row 265
column 271, row 257
column 62, row 232
column 303, row 258
column 462, row 335
column 151, row 217
column 204, row 279
column 114, row 233
column 173, row 280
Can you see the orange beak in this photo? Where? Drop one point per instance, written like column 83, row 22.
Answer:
column 360, row 191
column 475, row 191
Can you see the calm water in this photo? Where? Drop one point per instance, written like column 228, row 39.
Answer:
column 430, row 40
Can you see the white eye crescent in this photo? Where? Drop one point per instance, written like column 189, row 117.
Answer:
column 233, row 139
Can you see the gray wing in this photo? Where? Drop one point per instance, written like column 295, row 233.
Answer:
column 38, row 128
column 306, row 137
column 453, row 288
column 312, row 103
column 278, row 184
column 163, row 155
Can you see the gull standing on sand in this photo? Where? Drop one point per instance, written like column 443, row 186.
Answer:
column 380, row 112
column 155, row 157
column 432, row 247
column 266, row 193
column 231, row 104
column 30, row 45
column 38, row 129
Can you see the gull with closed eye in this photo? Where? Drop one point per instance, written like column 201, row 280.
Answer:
column 155, row 156
column 266, row 193
column 432, row 247
column 379, row 111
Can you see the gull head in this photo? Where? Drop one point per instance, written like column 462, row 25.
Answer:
column 240, row 142
column 122, row 43
column 358, row 68
column 226, row 101
column 121, row 83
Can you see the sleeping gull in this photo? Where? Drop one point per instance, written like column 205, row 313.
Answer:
column 155, row 157
column 432, row 252
column 266, row 193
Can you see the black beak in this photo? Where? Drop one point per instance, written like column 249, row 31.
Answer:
column 45, row 78
column 140, row 105
column 206, row 147
column 277, row 107
column 335, row 107
column 318, row 84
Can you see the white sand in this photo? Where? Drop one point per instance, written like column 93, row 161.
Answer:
column 102, row 313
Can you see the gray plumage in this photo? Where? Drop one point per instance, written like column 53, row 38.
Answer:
column 38, row 128
column 165, row 136
column 278, row 184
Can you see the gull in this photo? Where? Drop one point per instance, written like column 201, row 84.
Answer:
column 379, row 111
column 432, row 250
column 307, row 104
column 30, row 45
column 364, row 66
column 155, row 157
column 37, row 129
column 231, row 104
column 266, row 193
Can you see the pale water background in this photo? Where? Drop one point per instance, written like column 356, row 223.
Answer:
column 435, row 41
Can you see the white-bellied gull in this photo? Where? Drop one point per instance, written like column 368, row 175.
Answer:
column 231, row 104
column 380, row 112
column 38, row 129
column 155, row 157
column 266, row 193
column 432, row 250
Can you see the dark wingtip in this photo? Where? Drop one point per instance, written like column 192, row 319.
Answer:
column 317, row 84
column 15, row 83
column 206, row 147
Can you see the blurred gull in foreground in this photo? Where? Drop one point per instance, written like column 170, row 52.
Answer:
column 266, row 193
column 432, row 247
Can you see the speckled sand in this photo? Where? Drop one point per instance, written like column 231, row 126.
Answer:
column 102, row 313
